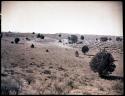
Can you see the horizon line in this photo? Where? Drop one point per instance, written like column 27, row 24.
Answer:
column 59, row 33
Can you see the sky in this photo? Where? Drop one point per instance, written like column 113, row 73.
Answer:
column 74, row 17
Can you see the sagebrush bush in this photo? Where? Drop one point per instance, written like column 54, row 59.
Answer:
column 82, row 37
column 32, row 46
column 17, row 40
column 42, row 36
column 47, row 50
column 27, row 39
column 10, row 87
column 59, row 35
column 12, row 42
column 76, row 53
column 60, row 41
column 102, row 63
column 85, row 49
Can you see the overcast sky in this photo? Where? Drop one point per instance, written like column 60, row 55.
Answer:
column 83, row 17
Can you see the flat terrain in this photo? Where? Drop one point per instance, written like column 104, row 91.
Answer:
column 58, row 71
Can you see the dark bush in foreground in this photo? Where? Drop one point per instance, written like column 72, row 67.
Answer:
column 85, row 49
column 77, row 54
column 17, row 40
column 32, row 46
column 104, row 39
column 10, row 87
column 102, row 63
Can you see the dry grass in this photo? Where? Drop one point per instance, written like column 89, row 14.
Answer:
column 58, row 71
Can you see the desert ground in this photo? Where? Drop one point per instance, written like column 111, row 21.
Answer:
column 58, row 71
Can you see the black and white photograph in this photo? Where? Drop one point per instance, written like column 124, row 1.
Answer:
column 62, row 48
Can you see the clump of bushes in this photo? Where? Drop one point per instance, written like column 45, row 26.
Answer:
column 102, row 63
column 60, row 41
column 10, row 87
column 110, row 39
column 76, row 53
column 103, row 39
column 32, row 46
column 40, row 36
column 85, row 49
column 12, row 42
column 27, row 39
column 118, row 39
column 17, row 40
column 73, row 39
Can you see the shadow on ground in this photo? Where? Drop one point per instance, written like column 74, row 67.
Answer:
column 111, row 77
